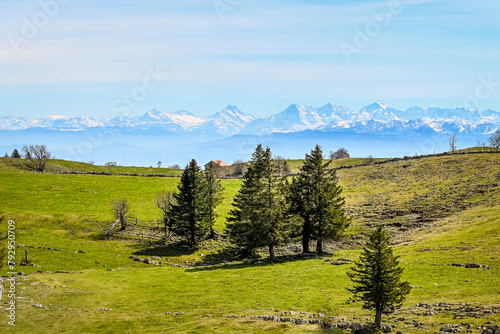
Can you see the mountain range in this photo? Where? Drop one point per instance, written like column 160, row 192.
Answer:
column 230, row 134
column 376, row 117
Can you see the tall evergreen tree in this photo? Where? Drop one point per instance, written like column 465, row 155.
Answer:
column 315, row 196
column 377, row 276
column 213, row 194
column 188, row 214
column 258, row 216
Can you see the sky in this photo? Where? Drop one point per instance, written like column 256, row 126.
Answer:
column 122, row 58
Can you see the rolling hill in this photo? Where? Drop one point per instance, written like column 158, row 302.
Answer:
column 443, row 211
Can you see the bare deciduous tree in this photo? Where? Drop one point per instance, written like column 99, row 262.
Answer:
column 37, row 156
column 120, row 209
column 453, row 142
column 369, row 160
column 239, row 167
column 282, row 165
column 494, row 140
column 341, row 153
column 215, row 169
column 164, row 201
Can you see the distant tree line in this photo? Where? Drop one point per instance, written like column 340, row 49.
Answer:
column 37, row 156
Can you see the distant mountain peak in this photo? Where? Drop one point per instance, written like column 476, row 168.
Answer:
column 375, row 106
column 183, row 113
column 153, row 113
column 293, row 108
column 232, row 108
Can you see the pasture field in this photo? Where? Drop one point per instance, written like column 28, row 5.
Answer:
column 442, row 211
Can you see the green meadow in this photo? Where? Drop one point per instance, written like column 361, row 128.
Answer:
column 441, row 210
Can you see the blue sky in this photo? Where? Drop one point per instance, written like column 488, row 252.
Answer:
column 94, row 58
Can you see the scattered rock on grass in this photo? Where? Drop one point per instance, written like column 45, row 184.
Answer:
column 475, row 265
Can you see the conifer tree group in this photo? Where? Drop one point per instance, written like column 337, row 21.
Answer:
column 267, row 206
column 315, row 197
column 267, row 211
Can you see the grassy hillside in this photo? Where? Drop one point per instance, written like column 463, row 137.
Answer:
column 78, row 200
column 65, row 166
column 442, row 210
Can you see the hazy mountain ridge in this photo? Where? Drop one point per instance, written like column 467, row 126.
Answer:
column 374, row 118
column 176, row 137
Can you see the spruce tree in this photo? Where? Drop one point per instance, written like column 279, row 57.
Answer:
column 213, row 195
column 315, row 196
column 377, row 276
column 258, row 217
column 188, row 214
column 15, row 154
column 274, row 204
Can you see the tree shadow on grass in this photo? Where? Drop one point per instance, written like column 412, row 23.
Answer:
column 256, row 262
column 172, row 249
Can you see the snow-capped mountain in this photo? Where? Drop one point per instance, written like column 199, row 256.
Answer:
column 229, row 121
column 299, row 118
column 177, row 121
column 376, row 118
column 177, row 137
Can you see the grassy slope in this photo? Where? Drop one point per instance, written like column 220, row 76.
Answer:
column 58, row 166
column 140, row 298
column 71, row 199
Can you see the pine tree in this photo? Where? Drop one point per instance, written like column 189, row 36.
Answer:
column 274, row 203
column 258, row 218
column 188, row 214
column 213, row 194
column 377, row 276
column 316, row 197
column 15, row 154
